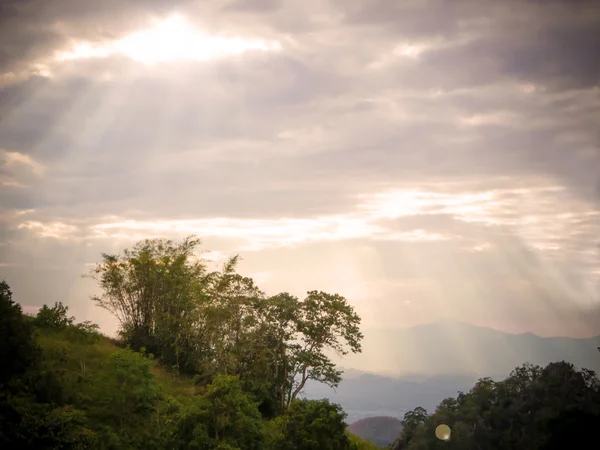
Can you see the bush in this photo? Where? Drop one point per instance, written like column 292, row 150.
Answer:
column 314, row 425
column 53, row 318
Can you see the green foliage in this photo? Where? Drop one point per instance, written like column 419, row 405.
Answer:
column 153, row 290
column 239, row 357
column 413, row 421
column 127, row 390
column 225, row 417
column 356, row 443
column 534, row 408
column 40, row 426
column 313, row 425
column 208, row 323
column 322, row 322
column 18, row 351
column 60, row 428
column 54, row 318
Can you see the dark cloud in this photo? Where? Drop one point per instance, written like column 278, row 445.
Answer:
column 411, row 19
column 253, row 6
column 560, row 57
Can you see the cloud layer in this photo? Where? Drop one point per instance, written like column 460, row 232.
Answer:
column 425, row 159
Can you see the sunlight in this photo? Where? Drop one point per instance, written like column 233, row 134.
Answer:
column 173, row 39
column 409, row 50
column 408, row 202
column 56, row 230
column 259, row 233
column 84, row 51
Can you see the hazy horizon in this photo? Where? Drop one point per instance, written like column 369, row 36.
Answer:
column 426, row 160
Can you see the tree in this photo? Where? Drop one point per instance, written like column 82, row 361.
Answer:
column 324, row 322
column 229, row 320
column 54, row 318
column 314, row 425
column 18, row 350
column 535, row 407
column 154, row 290
column 412, row 421
column 225, row 417
column 127, row 390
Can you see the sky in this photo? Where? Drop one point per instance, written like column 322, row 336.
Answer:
column 426, row 159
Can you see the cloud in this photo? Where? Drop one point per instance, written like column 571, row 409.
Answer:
column 16, row 161
column 428, row 159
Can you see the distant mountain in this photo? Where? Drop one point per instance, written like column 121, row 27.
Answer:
column 369, row 395
column 422, row 365
column 450, row 347
column 380, row 430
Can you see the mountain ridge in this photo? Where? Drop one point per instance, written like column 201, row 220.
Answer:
column 422, row 365
column 454, row 347
column 456, row 322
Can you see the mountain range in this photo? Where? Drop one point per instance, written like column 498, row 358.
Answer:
column 451, row 347
column 401, row 369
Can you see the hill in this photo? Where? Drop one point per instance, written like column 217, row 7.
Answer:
column 380, row 430
column 431, row 362
column 104, row 385
column 451, row 347
column 64, row 385
column 366, row 395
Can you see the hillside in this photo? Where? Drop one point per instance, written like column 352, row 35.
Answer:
column 80, row 370
column 194, row 366
column 379, row 430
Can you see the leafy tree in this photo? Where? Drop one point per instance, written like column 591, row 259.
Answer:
column 127, row 390
column 270, row 359
column 18, row 351
column 313, row 425
column 230, row 317
column 321, row 322
column 59, row 428
column 54, row 318
column 154, row 291
column 222, row 323
column 410, row 424
column 225, row 417
column 535, row 407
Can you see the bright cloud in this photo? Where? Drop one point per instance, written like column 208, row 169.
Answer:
column 172, row 39
column 17, row 161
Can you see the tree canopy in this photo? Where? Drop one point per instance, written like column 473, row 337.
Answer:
column 65, row 386
column 542, row 408
column 204, row 323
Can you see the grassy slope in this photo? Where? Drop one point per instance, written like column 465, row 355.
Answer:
column 54, row 344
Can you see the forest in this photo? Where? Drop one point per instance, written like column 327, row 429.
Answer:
column 545, row 408
column 206, row 360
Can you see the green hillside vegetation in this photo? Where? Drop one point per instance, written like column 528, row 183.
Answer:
column 205, row 360
column 539, row 408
